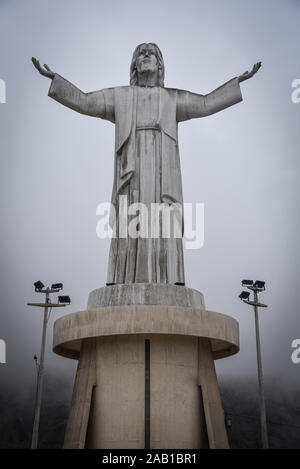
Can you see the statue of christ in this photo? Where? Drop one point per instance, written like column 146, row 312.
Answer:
column 147, row 165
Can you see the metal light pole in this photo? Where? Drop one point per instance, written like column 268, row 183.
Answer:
column 40, row 370
column 256, row 287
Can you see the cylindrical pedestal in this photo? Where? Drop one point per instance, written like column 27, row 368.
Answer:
column 176, row 417
column 146, row 375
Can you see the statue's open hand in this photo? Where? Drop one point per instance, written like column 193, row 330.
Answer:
column 248, row 75
column 45, row 71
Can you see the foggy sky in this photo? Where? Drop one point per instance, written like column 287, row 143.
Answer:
column 243, row 163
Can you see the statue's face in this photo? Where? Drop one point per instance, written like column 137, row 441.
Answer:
column 147, row 60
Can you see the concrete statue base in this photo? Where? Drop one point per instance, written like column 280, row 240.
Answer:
column 146, row 376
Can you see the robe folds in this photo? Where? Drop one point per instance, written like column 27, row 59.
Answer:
column 147, row 164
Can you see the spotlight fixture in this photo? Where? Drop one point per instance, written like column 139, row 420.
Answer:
column 259, row 284
column 57, row 286
column 244, row 295
column 64, row 299
column 246, row 283
column 38, row 285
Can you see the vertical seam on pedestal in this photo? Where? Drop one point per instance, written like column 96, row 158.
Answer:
column 147, row 394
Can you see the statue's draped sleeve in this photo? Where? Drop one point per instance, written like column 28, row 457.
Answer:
column 95, row 104
column 193, row 105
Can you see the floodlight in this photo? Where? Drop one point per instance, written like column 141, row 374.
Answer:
column 38, row 285
column 244, row 295
column 64, row 299
column 247, row 282
column 57, row 286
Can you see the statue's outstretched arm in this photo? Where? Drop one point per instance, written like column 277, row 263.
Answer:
column 95, row 104
column 193, row 105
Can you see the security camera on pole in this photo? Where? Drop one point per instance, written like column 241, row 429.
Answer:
column 62, row 301
column 256, row 287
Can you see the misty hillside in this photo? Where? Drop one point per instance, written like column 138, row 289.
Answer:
column 240, row 403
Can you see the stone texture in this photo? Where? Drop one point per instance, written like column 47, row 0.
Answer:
column 177, row 418
column 145, row 294
column 85, row 382
column 214, row 416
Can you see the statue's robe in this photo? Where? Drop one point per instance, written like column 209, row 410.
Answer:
column 147, row 165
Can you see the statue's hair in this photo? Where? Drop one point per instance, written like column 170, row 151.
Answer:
column 161, row 65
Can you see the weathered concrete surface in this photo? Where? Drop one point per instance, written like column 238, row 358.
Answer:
column 177, row 416
column 70, row 330
column 214, row 416
column 85, row 381
column 117, row 415
column 145, row 294
column 108, row 404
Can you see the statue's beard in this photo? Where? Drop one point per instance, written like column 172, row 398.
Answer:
column 148, row 77
column 147, row 67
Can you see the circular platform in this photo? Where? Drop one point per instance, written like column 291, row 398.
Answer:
column 70, row 330
column 144, row 308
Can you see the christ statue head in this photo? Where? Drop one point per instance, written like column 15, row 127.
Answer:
column 147, row 66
